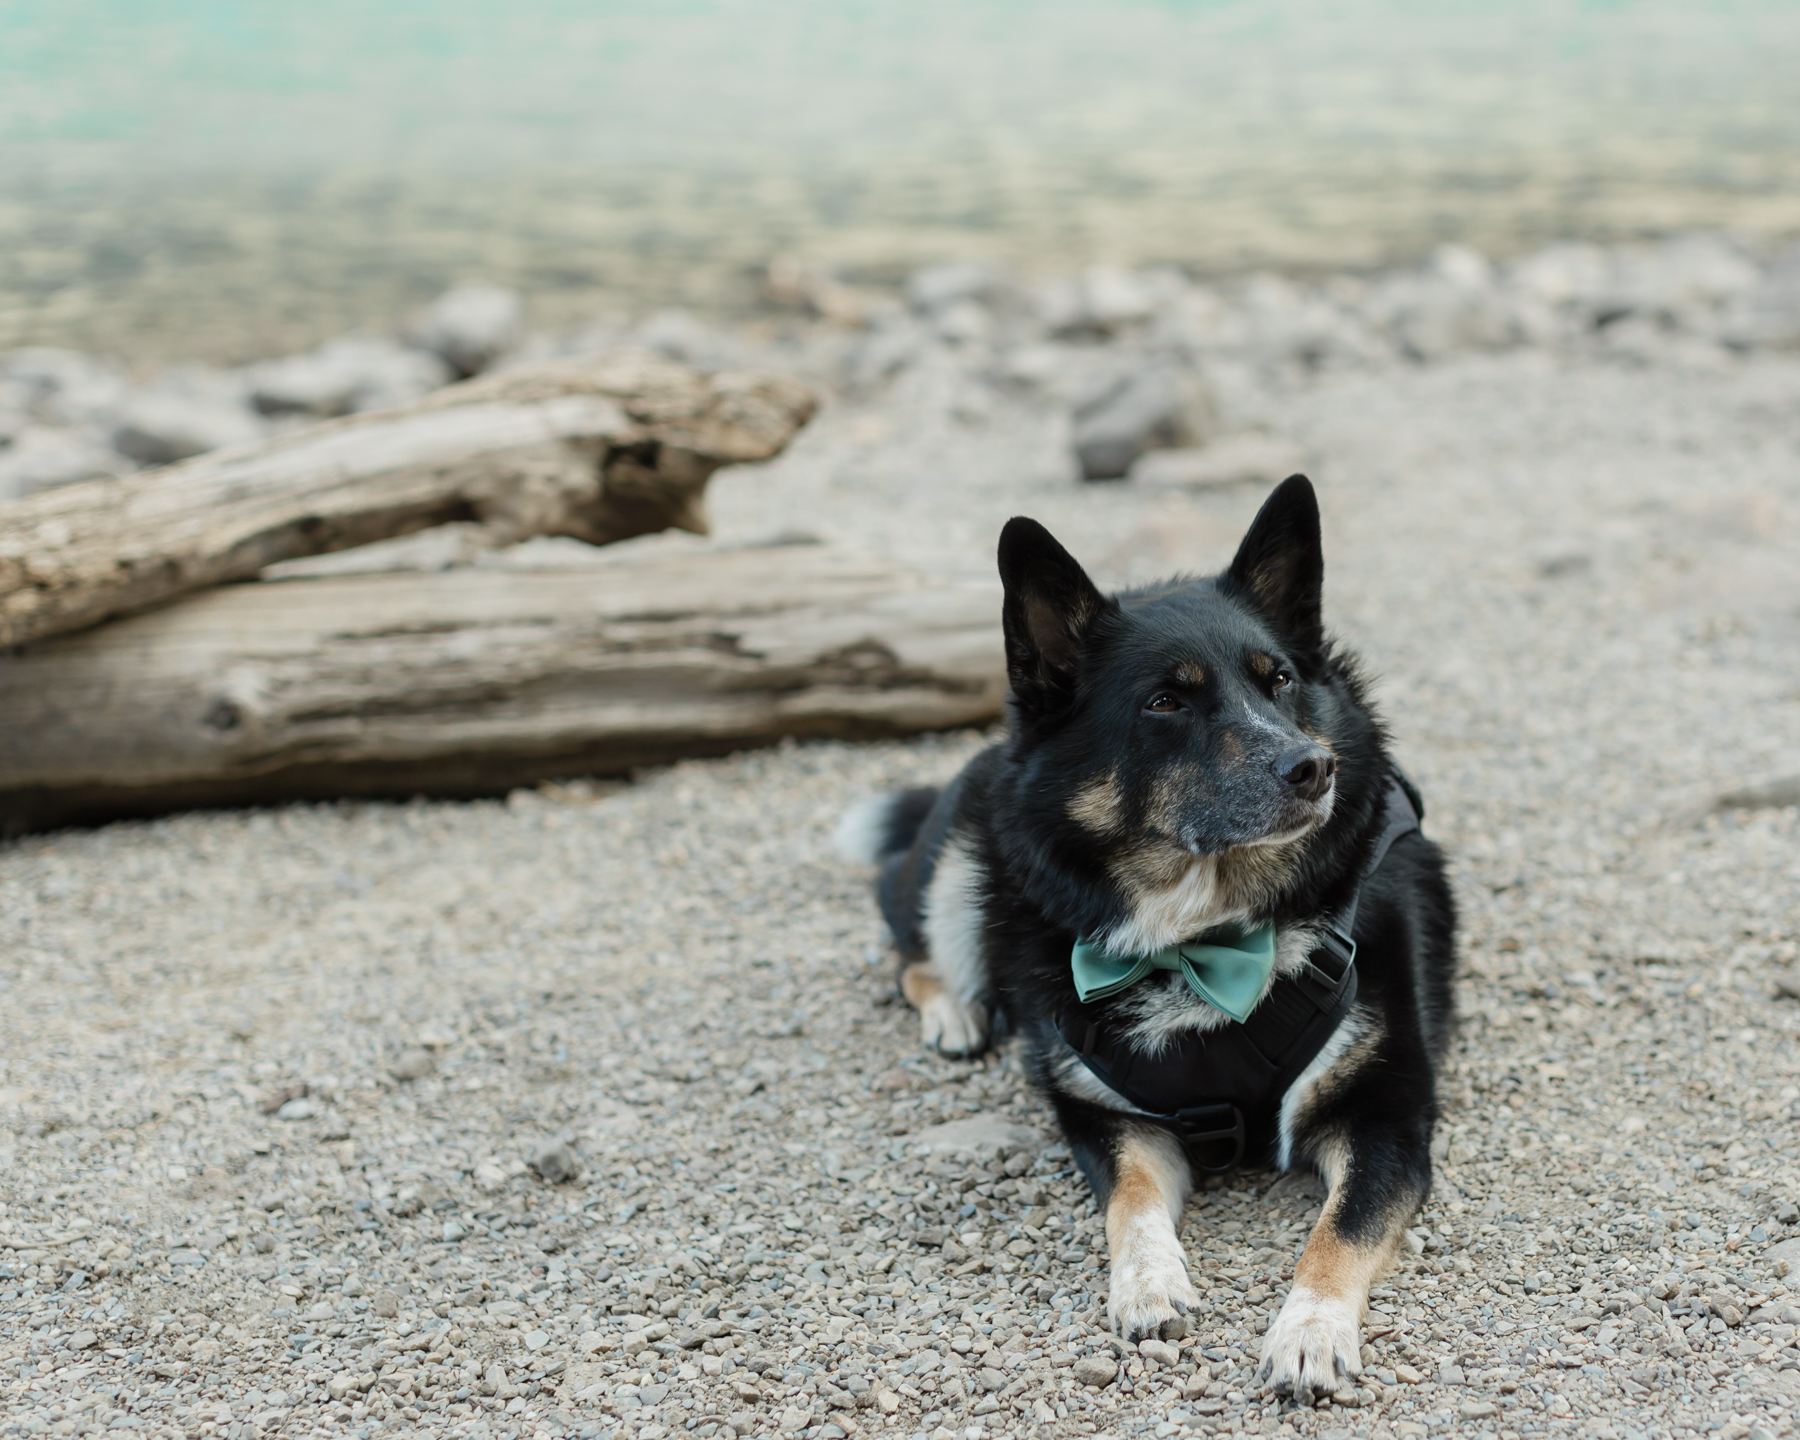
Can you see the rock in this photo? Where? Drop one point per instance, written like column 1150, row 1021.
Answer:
column 1478, row 1409
column 387, row 1304
column 1784, row 1252
column 64, row 386
column 1111, row 297
column 793, row 1420
column 536, row 1339
column 1248, row 459
column 1159, row 1351
column 1451, row 305
column 453, row 1231
column 555, row 1161
column 936, row 287
column 83, row 1340
column 42, row 457
column 678, row 335
column 1155, row 408
column 413, row 1064
column 159, row 429
column 1408, row 1376
column 470, row 327
column 1096, row 1370
column 344, row 377
column 1281, row 324
column 982, row 1134
column 1451, row 1375
column 299, row 1108
column 1681, row 280
column 1768, row 313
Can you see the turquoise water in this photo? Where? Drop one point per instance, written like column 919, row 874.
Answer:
column 298, row 163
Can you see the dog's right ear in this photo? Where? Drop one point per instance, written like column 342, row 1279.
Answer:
column 1050, row 605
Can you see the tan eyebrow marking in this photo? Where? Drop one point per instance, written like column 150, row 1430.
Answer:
column 1263, row 665
column 1190, row 672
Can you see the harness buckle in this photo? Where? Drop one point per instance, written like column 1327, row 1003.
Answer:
column 1328, row 969
column 1208, row 1124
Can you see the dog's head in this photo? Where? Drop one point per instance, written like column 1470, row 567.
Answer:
column 1184, row 739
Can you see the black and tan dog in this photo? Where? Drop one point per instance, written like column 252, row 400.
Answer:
column 1192, row 882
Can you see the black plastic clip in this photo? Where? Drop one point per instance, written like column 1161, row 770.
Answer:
column 1328, row 969
column 1208, row 1125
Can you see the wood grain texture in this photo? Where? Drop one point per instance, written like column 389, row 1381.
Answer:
column 600, row 449
column 468, row 682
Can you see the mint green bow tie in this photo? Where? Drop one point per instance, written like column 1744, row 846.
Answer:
column 1227, row 967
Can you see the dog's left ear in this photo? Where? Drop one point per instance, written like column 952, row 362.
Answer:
column 1281, row 562
column 1050, row 605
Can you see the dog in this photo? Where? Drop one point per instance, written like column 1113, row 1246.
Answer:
column 1193, row 884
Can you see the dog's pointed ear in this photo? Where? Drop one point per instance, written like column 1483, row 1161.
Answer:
column 1281, row 562
column 1050, row 605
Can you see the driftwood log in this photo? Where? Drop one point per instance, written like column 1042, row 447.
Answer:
column 598, row 449
column 469, row 682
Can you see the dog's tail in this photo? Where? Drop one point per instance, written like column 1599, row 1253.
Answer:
column 883, row 825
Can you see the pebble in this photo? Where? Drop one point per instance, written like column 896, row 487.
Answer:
column 555, row 1161
column 413, row 1064
column 471, row 326
column 1096, row 1370
column 300, row 1108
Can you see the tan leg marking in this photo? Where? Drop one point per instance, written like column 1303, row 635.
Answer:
column 947, row 1025
column 1149, row 1292
column 1315, row 1344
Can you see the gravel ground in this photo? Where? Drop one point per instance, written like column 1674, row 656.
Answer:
column 591, row 1112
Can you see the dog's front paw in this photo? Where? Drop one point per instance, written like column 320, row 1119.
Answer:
column 1313, row 1347
column 1148, row 1296
column 953, row 1028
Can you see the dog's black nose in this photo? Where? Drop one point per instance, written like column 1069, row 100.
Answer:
column 1307, row 771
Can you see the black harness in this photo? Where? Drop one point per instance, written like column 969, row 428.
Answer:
column 1220, row 1090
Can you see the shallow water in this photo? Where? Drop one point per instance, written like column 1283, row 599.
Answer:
column 232, row 177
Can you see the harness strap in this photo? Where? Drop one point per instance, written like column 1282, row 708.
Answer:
column 1232, row 1078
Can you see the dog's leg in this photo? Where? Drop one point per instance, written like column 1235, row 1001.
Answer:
column 950, row 988
column 1378, row 1180
column 1140, row 1176
column 947, row 1024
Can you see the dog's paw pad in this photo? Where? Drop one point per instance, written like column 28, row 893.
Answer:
column 1313, row 1347
column 952, row 1028
column 1150, row 1299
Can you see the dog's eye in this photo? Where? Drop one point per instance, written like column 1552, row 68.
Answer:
column 1280, row 681
column 1162, row 703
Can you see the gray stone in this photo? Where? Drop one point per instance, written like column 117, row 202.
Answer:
column 1450, row 305
column 1096, row 1370
column 1155, row 408
column 453, row 1231
column 938, row 286
column 159, row 429
column 345, row 376
column 555, row 1161
column 64, row 387
column 471, row 327
column 1159, row 1351
column 42, row 457
column 1784, row 1250
column 414, row 1064
column 299, row 1108
column 1768, row 313
column 983, row 1134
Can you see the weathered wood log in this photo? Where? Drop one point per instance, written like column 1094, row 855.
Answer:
column 469, row 682
column 598, row 449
